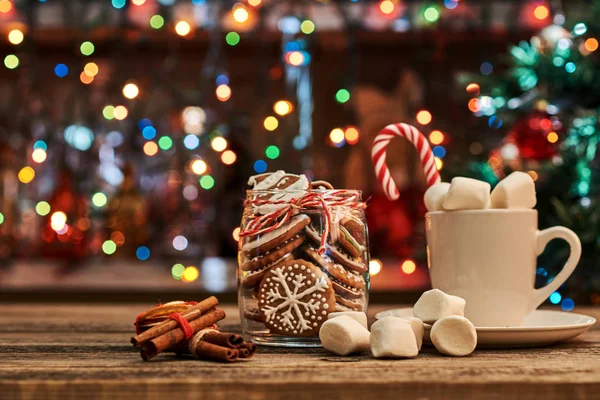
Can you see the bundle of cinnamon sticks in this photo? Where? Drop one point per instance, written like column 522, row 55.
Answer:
column 210, row 344
column 206, row 342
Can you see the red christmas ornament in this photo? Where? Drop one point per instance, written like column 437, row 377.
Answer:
column 537, row 135
column 65, row 234
column 394, row 224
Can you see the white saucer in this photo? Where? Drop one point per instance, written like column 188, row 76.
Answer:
column 541, row 327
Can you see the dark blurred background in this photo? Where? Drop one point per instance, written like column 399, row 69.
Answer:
column 129, row 128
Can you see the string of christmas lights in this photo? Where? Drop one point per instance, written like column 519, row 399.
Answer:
column 544, row 108
column 202, row 149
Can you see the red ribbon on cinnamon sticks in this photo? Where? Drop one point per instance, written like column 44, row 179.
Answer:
column 188, row 331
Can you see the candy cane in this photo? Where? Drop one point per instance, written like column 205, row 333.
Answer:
column 378, row 155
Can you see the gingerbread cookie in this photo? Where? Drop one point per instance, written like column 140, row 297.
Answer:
column 344, row 282
column 260, row 244
column 252, row 278
column 349, row 232
column 258, row 179
column 353, row 263
column 279, row 180
column 352, row 304
column 347, row 291
column 355, row 227
column 271, row 256
column 277, row 187
column 295, row 298
column 349, row 243
column 342, row 308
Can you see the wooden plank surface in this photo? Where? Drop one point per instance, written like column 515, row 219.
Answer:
column 83, row 351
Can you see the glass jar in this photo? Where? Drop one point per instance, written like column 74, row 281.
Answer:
column 302, row 255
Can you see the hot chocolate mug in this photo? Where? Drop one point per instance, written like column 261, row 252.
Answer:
column 488, row 257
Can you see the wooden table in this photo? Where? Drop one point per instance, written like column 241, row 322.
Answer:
column 83, row 352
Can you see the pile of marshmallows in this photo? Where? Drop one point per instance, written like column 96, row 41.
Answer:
column 515, row 191
column 452, row 334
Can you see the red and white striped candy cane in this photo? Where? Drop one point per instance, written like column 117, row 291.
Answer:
column 378, row 155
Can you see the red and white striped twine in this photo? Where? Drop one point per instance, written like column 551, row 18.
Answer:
column 262, row 224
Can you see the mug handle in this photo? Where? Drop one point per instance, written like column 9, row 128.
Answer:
column 543, row 237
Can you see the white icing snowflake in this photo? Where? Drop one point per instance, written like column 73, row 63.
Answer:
column 298, row 304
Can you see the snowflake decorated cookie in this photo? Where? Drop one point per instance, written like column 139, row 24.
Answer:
column 295, row 298
column 279, row 187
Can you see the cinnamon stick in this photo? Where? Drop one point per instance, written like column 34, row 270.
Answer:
column 247, row 349
column 224, row 339
column 192, row 313
column 169, row 339
column 208, row 351
column 180, row 348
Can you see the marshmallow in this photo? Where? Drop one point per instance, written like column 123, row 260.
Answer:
column 435, row 304
column 515, row 191
column 393, row 337
column 467, row 194
column 343, row 335
column 434, row 196
column 454, row 336
column 358, row 316
column 418, row 328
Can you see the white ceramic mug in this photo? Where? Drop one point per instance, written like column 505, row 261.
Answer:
column 488, row 257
